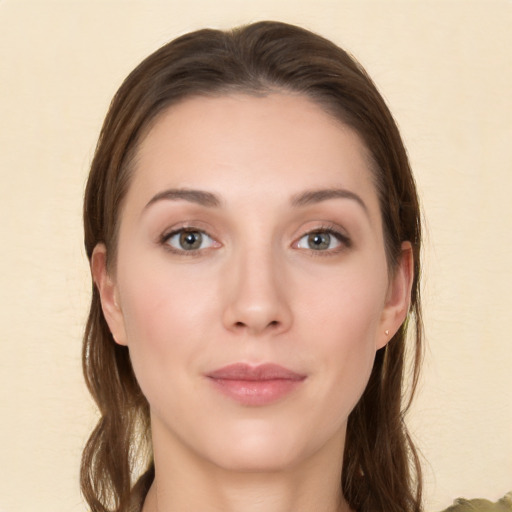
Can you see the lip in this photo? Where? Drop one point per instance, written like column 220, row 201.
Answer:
column 255, row 385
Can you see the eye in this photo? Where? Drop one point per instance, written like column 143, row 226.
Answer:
column 322, row 240
column 188, row 240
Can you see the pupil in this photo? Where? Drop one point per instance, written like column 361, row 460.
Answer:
column 190, row 240
column 319, row 241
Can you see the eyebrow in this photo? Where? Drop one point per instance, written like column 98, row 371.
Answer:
column 317, row 196
column 211, row 200
column 182, row 194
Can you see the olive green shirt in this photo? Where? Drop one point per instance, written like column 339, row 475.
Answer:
column 481, row 505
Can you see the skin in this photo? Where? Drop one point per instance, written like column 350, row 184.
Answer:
column 256, row 291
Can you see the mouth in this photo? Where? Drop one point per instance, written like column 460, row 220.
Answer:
column 255, row 385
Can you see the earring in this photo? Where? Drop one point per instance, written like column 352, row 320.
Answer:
column 386, row 332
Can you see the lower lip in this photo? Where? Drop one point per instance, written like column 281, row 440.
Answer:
column 256, row 392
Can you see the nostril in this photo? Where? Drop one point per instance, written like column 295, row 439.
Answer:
column 243, row 325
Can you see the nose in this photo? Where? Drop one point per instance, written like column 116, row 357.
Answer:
column 256, row 295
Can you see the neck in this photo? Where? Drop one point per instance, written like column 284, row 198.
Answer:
column 185, row 482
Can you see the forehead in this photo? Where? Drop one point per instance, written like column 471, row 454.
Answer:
column 278, row 144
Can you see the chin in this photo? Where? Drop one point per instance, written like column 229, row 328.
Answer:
column 266, row 459
column 266, row 449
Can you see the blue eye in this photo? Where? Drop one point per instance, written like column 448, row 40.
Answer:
column 323, row 240
column 188, row 240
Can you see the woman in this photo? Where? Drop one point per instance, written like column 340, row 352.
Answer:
column 254, row 235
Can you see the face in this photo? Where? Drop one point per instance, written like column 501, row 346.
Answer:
column 251, row 284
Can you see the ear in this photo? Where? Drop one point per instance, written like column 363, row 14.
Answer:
column 108, row 294
column 398, row 298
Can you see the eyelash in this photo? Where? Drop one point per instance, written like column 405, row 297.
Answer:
column 344, row 241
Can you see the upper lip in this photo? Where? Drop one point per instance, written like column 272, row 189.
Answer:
column 244, row 371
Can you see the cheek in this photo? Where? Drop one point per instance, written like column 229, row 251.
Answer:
column 160, row 300
column 347, row 337
column 166, row 323
column 347, row 306
column 343, row 323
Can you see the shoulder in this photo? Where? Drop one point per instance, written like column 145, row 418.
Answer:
column 481, row 505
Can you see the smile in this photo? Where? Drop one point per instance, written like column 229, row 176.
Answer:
column 255, row 385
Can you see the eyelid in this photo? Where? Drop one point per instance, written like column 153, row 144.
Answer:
column 186, row 225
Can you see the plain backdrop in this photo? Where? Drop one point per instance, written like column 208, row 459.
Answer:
column 445, row 69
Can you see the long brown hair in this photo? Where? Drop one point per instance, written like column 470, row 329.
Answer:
column 381, row 470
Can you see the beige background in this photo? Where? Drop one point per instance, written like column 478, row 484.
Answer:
column 445, row 69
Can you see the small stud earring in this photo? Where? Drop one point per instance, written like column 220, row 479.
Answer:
column 386, row 332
